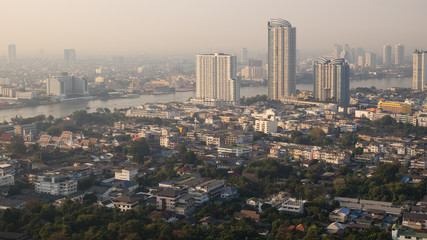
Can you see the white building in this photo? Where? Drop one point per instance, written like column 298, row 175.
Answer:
column 126, row 174
column 419, row 70
column 371, row 60
column 281, row 59
column 67, row 86
column 216, row 77
column 7, row 175
column 237, row 151
column 292, row 205
column 332, row 80
column 7, row 180
column 266, row 126
column 387, row 55
column 55, row 185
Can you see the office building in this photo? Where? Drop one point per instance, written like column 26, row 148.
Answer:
column 419, row 70
column 399, row 54
column 70, row 56
column 371, row 60
column 387, row 55
column 12, row 54
column 281, row 59
column 332, row 81
column 216, row 78
column 67, row 86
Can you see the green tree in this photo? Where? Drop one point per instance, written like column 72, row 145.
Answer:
column 139, row 149
column 16, row 149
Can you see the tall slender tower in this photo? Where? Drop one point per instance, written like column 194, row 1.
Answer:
column 387, row 55
column 371, row 60
column 332, row 80
column 12, row 54
column 244, row 57
column 70, row 56
column 399, row 54
column 216, row 77
column 281, row 59
column 419, row 70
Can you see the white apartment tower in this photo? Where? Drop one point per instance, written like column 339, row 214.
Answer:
column 332, row 81
column 399, row 54
column 281, row 59
column 371, row 60
column 387, row 55
column 216, row 78
column 419, row 70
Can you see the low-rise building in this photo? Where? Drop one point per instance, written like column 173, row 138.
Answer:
column 55, row 185
column 126, row 174
column 125, row 203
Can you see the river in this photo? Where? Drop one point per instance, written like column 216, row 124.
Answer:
column 66, row 108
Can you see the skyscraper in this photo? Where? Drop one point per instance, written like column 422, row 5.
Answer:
column 337, row 50
column 419, row 70
column 399, row 54
column 371, row 60
column 332, row 80
column 244, row 57
column 387, row 55
column 281, row 59
column 70, row 56
column 12, row 54
column 216, row 78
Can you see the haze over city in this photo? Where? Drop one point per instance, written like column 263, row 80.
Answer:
column 191, row 26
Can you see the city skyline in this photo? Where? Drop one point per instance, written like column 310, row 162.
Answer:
column 135, row 26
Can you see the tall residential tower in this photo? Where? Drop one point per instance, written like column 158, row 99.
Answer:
column 399, row 54
column 216, row 78
column 12, row 53
column 387, row 55
column 332, row 81
column 281, row 59
column 419, row 70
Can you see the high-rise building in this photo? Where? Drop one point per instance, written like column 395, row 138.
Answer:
column 337, row 50
column 66, row 86
column 244, row 57
column 12, row 54
column 371, row 60
column 332, row 80
column 399, row 54
column 387, row 55
column 70, row 56
column 216, row 78
column 360, row 61
column 419, row 70
column 281, row 59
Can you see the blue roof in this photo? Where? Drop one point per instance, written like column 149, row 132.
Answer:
column 405, row 179
column 355, row 213
column 344, row 210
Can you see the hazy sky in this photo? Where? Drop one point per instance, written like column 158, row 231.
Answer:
column 180, row 26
